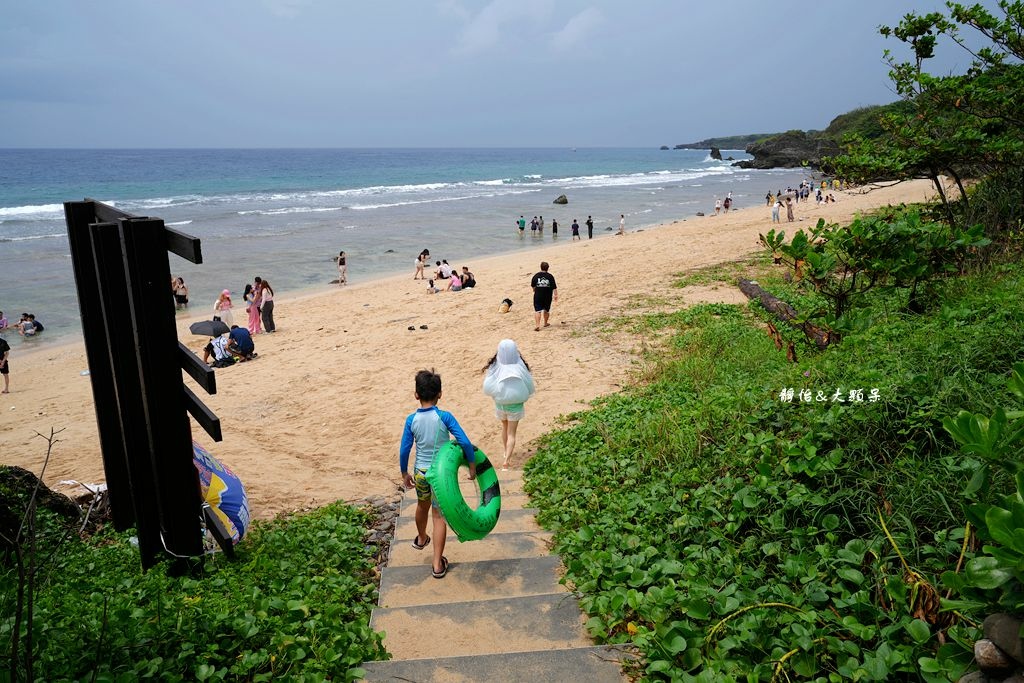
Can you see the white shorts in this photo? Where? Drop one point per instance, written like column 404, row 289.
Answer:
column 513, row 412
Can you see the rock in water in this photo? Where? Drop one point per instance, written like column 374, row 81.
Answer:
column 716, row 153
column 562, row 199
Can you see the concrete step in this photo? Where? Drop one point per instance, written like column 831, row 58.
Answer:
column 509, row 501
column 520, row 624
column 508, row 546
column 486, row 580
column 591, row 664
column 508, row 521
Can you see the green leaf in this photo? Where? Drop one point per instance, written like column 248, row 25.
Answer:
column 676, row 645
column 852, row 575
column 987, row 572
column 919, row 631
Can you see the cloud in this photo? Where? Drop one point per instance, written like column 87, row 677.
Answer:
column 578, row 29
column 499, row 22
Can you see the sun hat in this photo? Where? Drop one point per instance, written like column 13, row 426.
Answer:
column 226, row 292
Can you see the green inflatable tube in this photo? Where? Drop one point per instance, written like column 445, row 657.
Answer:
column 443, row 475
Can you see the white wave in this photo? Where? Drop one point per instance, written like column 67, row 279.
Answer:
column 29, row 212
column 32, row 237
column 290, row 209
column 499, row 181
column 533, row 176
column 364, row 207
column 188, row 222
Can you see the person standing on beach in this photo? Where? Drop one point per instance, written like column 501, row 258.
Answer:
column 421, row 261
column 575, row 227
column 540, row 226
column 267, row 308
column 508, row 381
column 252, row 299
column 5, row 350
column 342, row 268
column 222, row 308
column 789, row 209
column 554, row 229
column 180, row 293
column 622, row 224
column 545, row 292
column 718, row 206
column 775, row 211
column 521, row 224
column 590, row 227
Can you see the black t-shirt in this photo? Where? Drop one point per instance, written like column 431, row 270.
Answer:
column 544, row 286
column 4, row 347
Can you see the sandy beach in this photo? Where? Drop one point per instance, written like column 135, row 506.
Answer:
column 318, row 416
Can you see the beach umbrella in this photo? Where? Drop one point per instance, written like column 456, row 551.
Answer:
column 209, row 328
column 223, row 492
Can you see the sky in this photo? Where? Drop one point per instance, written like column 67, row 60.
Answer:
column 437, row 73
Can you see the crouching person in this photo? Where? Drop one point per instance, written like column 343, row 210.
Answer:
column 240, row 343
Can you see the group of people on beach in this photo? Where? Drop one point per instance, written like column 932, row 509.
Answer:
column 237, row 345
column 537, row 227
column 509, row 383
column 27, row 326
column 443, row 273
column 259, row 306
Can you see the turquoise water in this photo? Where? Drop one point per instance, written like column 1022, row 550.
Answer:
column 283, row 214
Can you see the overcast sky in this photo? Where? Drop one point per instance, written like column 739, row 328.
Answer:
column 435, row 73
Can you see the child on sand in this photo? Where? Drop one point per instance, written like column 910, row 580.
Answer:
column 428, row 428
column 508, row 381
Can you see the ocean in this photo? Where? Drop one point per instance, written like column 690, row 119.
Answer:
column 284, row 213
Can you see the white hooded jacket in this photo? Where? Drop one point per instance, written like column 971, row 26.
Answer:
column 508, row 381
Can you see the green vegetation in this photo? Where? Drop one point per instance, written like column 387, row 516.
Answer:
column 294, row 605
column 856, row 514
column 727, row 142
column 728, row 531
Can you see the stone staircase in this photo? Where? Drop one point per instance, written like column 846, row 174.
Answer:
column 499, row 614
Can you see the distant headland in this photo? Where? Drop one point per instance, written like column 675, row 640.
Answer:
column 796, row 148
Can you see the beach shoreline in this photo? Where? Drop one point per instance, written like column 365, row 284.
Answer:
column 318, row 416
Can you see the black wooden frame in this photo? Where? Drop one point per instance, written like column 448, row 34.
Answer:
column 122, row 274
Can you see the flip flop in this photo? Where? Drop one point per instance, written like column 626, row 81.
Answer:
column 416, row 543
column 444, row 569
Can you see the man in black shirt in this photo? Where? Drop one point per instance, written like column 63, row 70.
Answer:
column 545, row 291
column 590, row 227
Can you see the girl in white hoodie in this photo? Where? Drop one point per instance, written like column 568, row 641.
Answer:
column 508, row 381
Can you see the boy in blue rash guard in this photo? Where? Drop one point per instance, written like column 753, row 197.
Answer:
column 429, row 428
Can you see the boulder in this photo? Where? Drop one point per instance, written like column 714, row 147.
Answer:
column 716, row 153
column 663, row 147
column 562, row 199
column 1004, row 631
column 991, row 659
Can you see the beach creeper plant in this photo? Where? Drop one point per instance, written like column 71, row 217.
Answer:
column 995, row 578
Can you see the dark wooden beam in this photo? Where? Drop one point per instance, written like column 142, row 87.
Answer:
column 203, row 415
column 169, row 451
column 198, row 370
column 79, row 216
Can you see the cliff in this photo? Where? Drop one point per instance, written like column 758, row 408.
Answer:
column 791, row 149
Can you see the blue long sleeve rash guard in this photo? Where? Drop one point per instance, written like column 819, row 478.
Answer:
column 429, row 428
